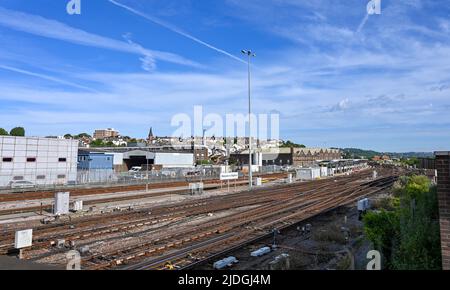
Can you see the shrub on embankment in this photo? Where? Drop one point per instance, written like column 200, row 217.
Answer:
column 407, row 235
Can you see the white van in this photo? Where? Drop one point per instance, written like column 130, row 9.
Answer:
column 135, row 169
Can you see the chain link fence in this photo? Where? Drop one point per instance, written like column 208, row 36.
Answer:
column 57, row 179
column 24, row 181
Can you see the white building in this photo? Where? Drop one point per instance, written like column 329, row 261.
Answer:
column 41, row 161
column 174, row 160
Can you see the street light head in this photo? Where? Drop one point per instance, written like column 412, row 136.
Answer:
column 248, row 52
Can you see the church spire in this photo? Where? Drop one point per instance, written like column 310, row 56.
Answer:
column 150, row 138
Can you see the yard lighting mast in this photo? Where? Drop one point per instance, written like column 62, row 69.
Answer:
column 249, row 55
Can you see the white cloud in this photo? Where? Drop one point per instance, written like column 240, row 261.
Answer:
column 45, row 77
column 175, row 29
column 341, row 106
column 53, row 29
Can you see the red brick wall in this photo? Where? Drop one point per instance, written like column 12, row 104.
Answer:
column 443, row 168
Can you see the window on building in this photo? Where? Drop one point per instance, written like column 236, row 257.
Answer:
column 61, row 176
column 40, row 177
column 7, row 159
column 31, row 159
column 62, row 159
column 18, row 178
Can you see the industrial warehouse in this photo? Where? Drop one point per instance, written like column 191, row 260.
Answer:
column 37, row 161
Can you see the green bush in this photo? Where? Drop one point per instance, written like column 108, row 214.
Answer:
column 17, row 131
column 408, row 236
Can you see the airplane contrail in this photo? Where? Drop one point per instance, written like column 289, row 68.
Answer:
column 175, row 29
column 363, row 22
column 45, row 77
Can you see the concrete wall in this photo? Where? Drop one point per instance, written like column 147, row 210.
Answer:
column 443, row 179
column 42, row 161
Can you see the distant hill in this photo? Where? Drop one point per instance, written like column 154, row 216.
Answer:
column 355, row 153
column 415, row 154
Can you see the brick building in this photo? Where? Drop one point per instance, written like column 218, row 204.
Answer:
column 101, row 134
column 291, row 156
column 309, row 156
column 443, row 168
column 426, row 163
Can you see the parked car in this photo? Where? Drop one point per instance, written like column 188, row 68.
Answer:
column 21, row 184
column 135, row 169
column 192, row 173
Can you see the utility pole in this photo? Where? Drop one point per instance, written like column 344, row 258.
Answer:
column 250, row 171
column 146, row 185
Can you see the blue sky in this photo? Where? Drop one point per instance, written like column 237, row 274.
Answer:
column 336, row 78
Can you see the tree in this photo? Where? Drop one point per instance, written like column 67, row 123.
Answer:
column 86, row 135
column 410, row 161
column 68, row 136
column 3, row 132
column 97, row 143
column 381, row 229
column 290, row 144
column 17, row 131
column 408, row 236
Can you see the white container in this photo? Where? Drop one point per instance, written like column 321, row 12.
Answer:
column 367, row 203
column 323, row 171
column 23, row 239
column 61, row 203
column 363, row 204
column 308, row 173
column 227, row 262
column 259, row 181
column 78, row 205
column 260, row 252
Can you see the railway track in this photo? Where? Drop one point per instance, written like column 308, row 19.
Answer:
column 186, row 232
column 153, row 251
column 26, row 196
column 212, row 184
column 86, row 226
column 209, row 249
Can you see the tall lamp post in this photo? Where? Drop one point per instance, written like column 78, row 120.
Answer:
column 146, row 185
column 249, row 55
